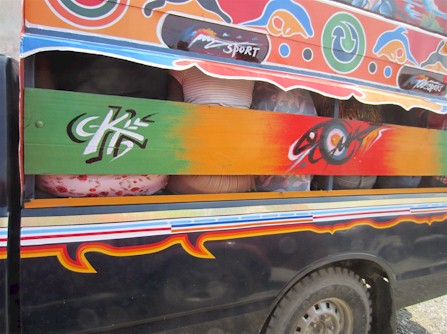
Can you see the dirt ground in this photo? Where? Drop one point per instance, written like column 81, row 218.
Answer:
column 425, row 318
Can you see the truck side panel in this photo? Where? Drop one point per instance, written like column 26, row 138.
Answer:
column 164, row 266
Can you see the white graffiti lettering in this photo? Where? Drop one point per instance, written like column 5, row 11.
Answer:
column 232, row 48
column 114, row 135
column 428, row 85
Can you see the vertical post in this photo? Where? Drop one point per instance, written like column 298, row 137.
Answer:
column 29, row 80
column 330, row 179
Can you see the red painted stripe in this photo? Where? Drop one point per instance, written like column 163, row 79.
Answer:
column 90, row 3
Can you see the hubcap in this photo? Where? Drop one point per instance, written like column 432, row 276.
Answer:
column 331, row 316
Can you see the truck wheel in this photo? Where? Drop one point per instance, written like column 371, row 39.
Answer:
column 329, row 301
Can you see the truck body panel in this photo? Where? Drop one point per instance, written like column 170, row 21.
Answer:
column 90, row 99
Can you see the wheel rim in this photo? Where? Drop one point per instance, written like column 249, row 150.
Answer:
column 329, row 316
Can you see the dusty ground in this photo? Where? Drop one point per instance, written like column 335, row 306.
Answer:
column 425, row 318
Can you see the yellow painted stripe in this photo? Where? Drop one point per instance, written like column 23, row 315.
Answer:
column 3, row 222
column 164, row 199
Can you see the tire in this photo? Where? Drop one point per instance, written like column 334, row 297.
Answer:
column 329, row 301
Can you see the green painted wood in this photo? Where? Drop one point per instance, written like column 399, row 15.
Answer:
column 127, row 140
column 79, row 133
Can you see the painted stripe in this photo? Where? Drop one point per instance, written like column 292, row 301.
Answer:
column 197, row 248
column 95, row 227
column 280, row 219
column 100, row 201
column 3, row 222
column 54, row 236
column 239, row 226
column 92, row 238
column 185, row 216
column 360, row 214
column 3, row 237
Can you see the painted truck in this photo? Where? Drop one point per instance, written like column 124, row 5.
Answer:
column 90, row 100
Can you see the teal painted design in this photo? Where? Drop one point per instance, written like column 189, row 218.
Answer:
column 90, row 12
column 343, row 43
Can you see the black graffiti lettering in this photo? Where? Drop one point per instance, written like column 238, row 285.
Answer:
column 100, row 151
column 147, row 118
column 335, row 142
column 70, row 129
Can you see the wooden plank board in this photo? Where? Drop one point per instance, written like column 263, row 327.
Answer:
column 78, row 133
